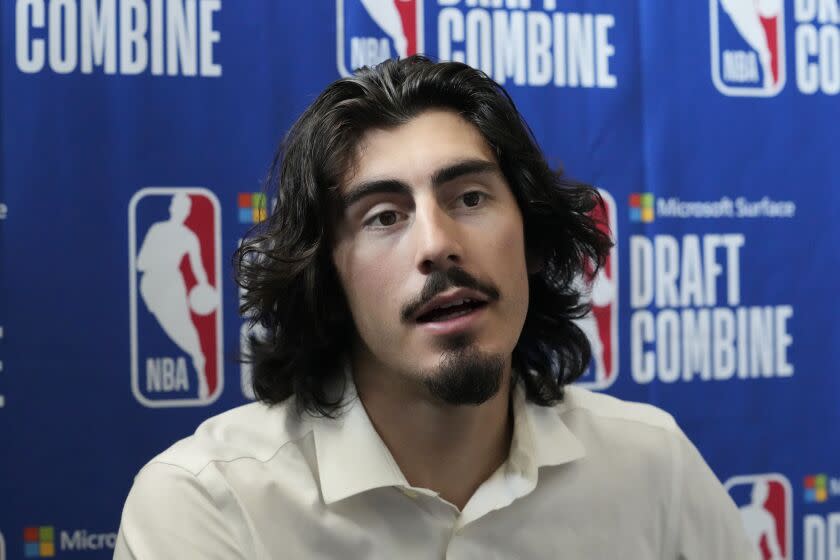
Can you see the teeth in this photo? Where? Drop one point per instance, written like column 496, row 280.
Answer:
column 454, row 303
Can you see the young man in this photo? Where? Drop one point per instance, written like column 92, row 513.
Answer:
column 416, row 287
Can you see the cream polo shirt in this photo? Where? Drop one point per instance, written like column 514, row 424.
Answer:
column 591, row 478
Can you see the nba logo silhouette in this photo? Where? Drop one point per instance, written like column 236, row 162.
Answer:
column 601, row 324
column 765, row 504
column 747, row 46
column 175, row 294
column 370, row 31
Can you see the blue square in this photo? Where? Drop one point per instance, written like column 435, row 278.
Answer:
column 246, row 215
column 31, row 550
column 635, row 214
column 810, row 495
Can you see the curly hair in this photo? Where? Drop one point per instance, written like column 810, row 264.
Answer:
column 285, row 267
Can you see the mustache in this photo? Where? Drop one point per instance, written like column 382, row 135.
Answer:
column 441, row 280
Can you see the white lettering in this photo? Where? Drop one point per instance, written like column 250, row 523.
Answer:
column 642, row 361
column 805, row 10
column 668, row 347
column 580, row 48
column 724, row 349
column 695, row 344
column 99, row 36
column 528, row 47
column 604, row 50
column 62, row 36
column 181, row 37
column 829, row 59
column 509, row 43
column 641, row 271
column 807, row 73
column 133, row 45
column 209, row 37
column 740, row 66
column 667, row 269
column 29, row 54
column 539, row 45
column 84, row 35
column 166, row 375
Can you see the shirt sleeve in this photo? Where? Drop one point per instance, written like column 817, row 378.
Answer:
column 169, row 514
column 709, row 525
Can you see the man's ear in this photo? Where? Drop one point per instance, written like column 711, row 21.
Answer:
column 534, row 261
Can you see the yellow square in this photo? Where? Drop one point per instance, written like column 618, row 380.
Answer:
column 822, row 495
column 259, row 215
column 47, row 549
column 647, row 214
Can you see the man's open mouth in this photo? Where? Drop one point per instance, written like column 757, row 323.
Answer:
column 451, row 310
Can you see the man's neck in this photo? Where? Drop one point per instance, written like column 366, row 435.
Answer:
column 446, row 448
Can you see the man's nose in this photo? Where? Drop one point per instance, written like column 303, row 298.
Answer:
column 438, row 239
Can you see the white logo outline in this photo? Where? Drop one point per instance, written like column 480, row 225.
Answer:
column 339, row 32
column 133, row 296
column 612, row 221
column 751, row 479
column 714, row 50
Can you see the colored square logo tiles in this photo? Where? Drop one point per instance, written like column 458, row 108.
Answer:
column 39, row 542
column 816, row 488
column 641, row 207
column 252, row 209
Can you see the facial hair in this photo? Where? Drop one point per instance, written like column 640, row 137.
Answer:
column 466, row 376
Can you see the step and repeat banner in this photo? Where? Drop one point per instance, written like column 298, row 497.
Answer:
column 136, row 134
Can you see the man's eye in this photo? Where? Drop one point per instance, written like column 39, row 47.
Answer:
column 473, row 198
column 383, row 219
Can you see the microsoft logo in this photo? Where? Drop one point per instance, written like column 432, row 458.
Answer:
column 816, row 488
column 39, row 542
column 641, row 207
column 251, row 208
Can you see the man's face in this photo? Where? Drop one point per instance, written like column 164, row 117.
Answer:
column 429, row 221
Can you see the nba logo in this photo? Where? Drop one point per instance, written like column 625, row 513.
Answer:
column 601, row 324
column 748, row 46
column 764, row 502
column 370, row 31
column 175, row 293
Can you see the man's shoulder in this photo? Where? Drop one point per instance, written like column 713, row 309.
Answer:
column 600, row 406
column 255, row 431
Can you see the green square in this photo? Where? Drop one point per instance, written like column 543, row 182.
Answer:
column 46, row 534
column 821, row 481
column 258, row 200
column 647, row 200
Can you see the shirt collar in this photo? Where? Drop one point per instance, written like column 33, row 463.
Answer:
column 540, row 437
column 352, row 458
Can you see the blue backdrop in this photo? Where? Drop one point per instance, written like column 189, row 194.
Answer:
column 136, row 133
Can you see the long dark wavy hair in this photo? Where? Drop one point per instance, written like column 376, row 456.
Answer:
column 292, row 290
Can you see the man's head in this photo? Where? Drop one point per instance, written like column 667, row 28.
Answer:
column 399, row 189
column 427, row 220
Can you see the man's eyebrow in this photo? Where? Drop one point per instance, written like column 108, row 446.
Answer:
column 395, row 186
column 461, row 168
column 376, row 186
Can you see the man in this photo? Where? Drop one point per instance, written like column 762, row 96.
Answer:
column 414, row 283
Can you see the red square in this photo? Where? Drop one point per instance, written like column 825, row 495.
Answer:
column 30, row 534
column 810, row 481
column 244, row 200
column 635, row 200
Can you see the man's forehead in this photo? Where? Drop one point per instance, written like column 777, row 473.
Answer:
column 416, row 150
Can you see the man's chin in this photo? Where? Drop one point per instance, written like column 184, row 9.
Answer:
column 465, row 375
